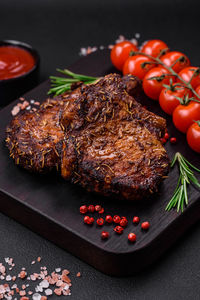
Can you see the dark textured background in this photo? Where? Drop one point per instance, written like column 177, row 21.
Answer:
column 57, row 29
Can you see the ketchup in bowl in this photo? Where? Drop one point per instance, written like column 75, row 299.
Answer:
column 14, row 62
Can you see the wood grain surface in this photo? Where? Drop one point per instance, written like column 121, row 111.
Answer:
column 50, row 206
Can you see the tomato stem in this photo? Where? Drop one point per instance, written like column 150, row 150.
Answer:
column 198, row 122
column 158, row 61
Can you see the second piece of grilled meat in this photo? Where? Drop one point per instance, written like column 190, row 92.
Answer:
column 111, row 142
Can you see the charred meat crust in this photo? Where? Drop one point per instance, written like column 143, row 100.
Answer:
column 111, row 142
column 35, row 138
column 101, row 136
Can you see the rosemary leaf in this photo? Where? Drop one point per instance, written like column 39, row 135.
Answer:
column 186, row 177
column 60, row 85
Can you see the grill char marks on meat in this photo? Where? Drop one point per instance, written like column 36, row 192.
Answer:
column 111, row 142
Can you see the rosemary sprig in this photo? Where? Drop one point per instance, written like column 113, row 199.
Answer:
column 59, row 85
column 180, row 196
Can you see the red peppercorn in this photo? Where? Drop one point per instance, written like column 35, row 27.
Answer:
column 100, row 221
column 132, row 237
column 145, row 225
column 91, row 208
column 91, row 221
column 101, row 211
column 104, row 235
column 109, row 219
column 116, row 219
column 98, row 207
column 166, row 136
column 123, row 222
column 83, row 209
column 136, row 220
column 86, row 219
column 119, row 229
column 163, row 141
column 173, row 140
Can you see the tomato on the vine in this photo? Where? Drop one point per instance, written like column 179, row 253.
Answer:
column 120, row 52
column 187, row 73
column 154, row 47
column 170, row 58
column 193, row 136
column 168, row 100
column 137, row 65
column 153, row 87
column 184, row 115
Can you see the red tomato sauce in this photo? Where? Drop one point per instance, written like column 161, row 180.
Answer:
column 14, row 61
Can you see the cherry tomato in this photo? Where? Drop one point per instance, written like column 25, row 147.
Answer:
column 198, row 92
column 193, row 136
column 153, row 87
column 184, row 115
column 153, row 47
column 120, row 52
column 168, row 100
column 170, row 58
column 136, row 66
column 187, row 73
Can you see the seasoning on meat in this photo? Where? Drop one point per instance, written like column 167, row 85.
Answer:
column 112, row 144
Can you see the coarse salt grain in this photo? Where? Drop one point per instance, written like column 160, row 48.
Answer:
column 58, row 270
column 59, row 283
column 58, row 292
column 2, row 269
column 44, row 284
column 22, row 293
column 48, row 292
column 39, row 289
column 22, row 274
column 15, row 110
column 36, row 296
column 8, row 278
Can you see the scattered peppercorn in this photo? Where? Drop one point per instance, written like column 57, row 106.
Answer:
column 166, row 136
column 101, row 211
column 163, row 140
column 91, row 221
column 132, row 237
column 104, row 235
column 136, row 220
column 91, row 208
column 83, row 209
column 100, row 221
column 145, row 225
column 123, row 222
column 98, row 207
column 173, row 140
column 119, row 229
column 86, row 219
column 109, row 219
column 116, row 219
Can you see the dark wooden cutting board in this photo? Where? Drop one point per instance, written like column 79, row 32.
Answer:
column 50, row 206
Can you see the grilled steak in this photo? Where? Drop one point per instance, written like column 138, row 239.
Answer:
column 111, row 143
column 35, row 139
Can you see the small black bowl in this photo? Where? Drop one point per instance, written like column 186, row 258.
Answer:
column 12, row 88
